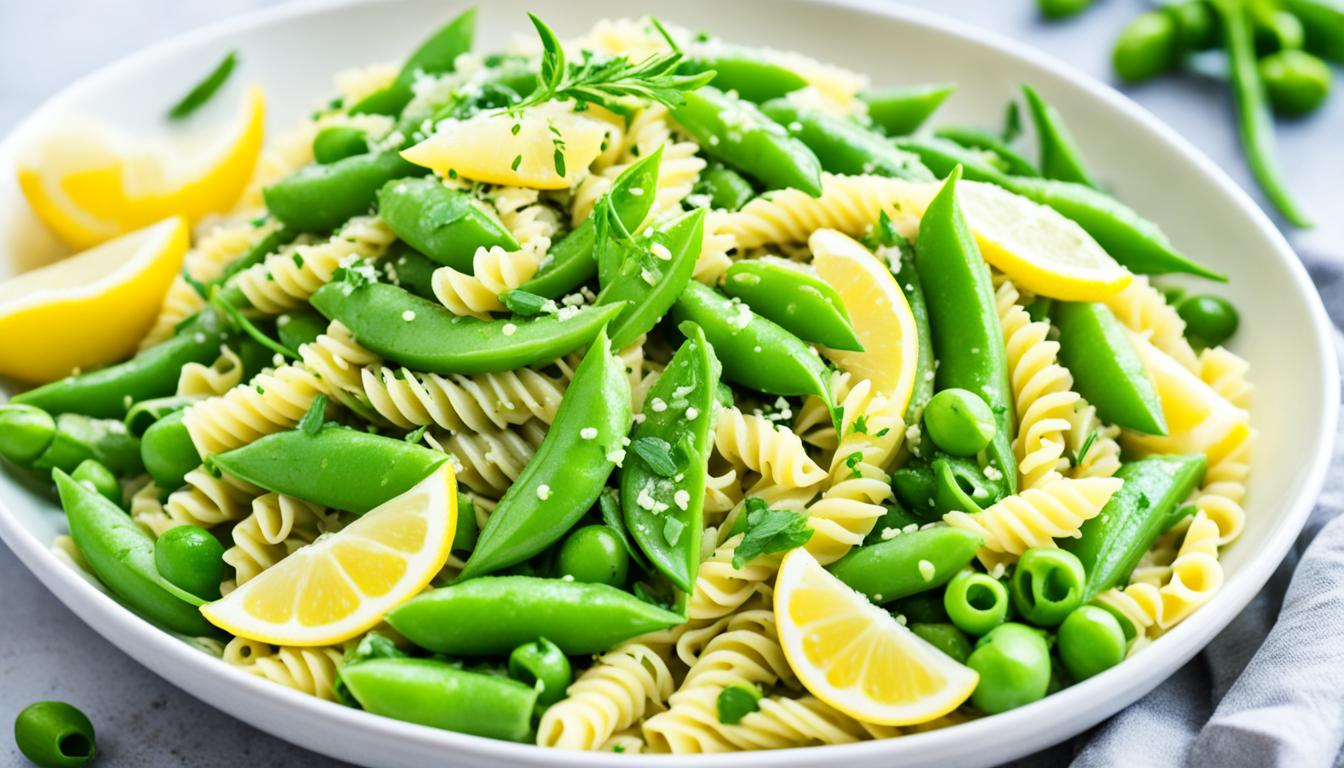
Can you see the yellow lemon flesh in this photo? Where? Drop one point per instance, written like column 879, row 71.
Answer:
column 91, row 183
column 345, row 582
column 90, row 309
column 855, row 656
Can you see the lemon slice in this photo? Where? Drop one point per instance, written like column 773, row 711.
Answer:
column 343, row 583
column 91, row 308
column 549, row 146
column 854, row 656
column 90, row 182
column 881, row 316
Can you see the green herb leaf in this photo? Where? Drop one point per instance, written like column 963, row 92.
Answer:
column 311, row 423
column 672, row 530
column 768, row 531
column 736, row 702
column 1076, row 461
column 204, row 90
column 852, row 461
column 1012, row 123
column 417, row 435
column 523, row 303
column 657, row 453
column 217, row 299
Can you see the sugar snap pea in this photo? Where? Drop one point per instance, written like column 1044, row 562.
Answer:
column 337, row 142
column 901, row 110
column 298, row 328
column 447, row 225
column 1322, row 26
column 901, row 257
column 945, row 637
column 319, row 198
column 907, row 563
column 1106, row 370
column 144, row 413
column 434, row 56
column 845, row 147
column 30, row 437
column 725, row 187
column 986, row 141
column 257, row 253
column 1060, row 156
column 794, row 297
column 652, row 275
column 408, row 268
column 748, row 73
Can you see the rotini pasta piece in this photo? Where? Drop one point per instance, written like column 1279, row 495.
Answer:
column 1224, row 489
column 205, row 501
column 1226, row 373
column 531, row 222
column 1035, row 517
column 337, row 363
column 611, row 695
column 747, row 651
column 1139, row 604
column 277, row 526
column 489, row 462
column 212, row 380
column 723, row 492
column 63, row 547
column 1145, row 310
column 353, row 84
column 483, row 403
column 721, row 589
column 287, row 280
column 494, row 271
column 279, row 158
column 204, row 262
column 847, row 203
column 307, row 670
column 627, row 742
column 813, row 422
column 1102, row 455
column 774, row 452
column 1195, row 573
column 837, row 88
column 272, row 402
column 635, row 38
column 719, row 243
column 781, row 722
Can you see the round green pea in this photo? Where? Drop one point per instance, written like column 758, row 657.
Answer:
column 53, row 734
column 1146, row 48
column 542, row 664
column 946, row 638
column 594, row 554
column 1059, row 9
column 192, row 559
column 1296, row 81
column 25, row 433
column 1014, row 666
column 1047, row 584
column 1209, row 320
column 975, row 602
column 1091, row 641
column 94, row 474
column 959, row 422
column 337, row 142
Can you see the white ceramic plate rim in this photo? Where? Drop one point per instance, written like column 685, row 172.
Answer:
column 1009, row 734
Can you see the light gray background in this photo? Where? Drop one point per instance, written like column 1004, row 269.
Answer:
column 47, row 652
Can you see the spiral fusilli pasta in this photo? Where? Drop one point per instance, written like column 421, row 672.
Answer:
column 204, row 262
column 307, row 670
column 271, row 402
column 483, row 403
column 212, row 380
column 286, row 280
column 276, row 526
column 612, row 695
column 205, row 501
column 774, row 452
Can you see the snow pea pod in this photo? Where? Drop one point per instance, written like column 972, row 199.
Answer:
column 492, row 615
column 110, row 392
column 1106, row 370
column 795, row 298
column 967, row 339
column 424, row 336
column 908, row 563
column 32, row 438
column 726, row 188
column 410, row 269
column 663, row 499
column 978, row 138
column 121, row 554
column 1111, row 544
column 843, row 146
column 1322, row 24
column 331, row 467
column 1060, row 157
column 572, row 261
column 907, row 277
column 447, row 225
column 745, row 71
column 569, row 470
column 649, row 279
column 145, row 413
column 319, row 198
column 901, row 110
column 337, row 142
column 755, row 352
column 440, row 695
column 168, row 452
column 435, row 56
column 736, row 132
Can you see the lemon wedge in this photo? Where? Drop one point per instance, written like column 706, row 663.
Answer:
column 90, row 182
column 549, row 146
column 854, row 656
column 343, row 583
column 91, row 308
column 878, row 310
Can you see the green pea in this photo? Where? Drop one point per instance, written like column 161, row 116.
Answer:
column 337, row 142
column 94, row 474
column 1196, row 28
column 594, row 554
column 146, row 413
column 544, row 666
column 53, row 734
column 946, row 638
column 1060, row 9
column 1296, row 81
column 436, row 55
column 25, row 433
column 1209, row 320
column 975, row 602
column 168, row 451
column 959, row 422
column 192, row 559
column 1091, row 641
column 1146, row 48
column 1047, row 584
column 1275, row 29
column 1014, row 665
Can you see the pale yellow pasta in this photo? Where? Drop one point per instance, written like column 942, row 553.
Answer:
column 1086, row 430
column 771, row 451
column 276, row 526
column 1221, row 494
column 287, row 280
column 336, row 362
column 780, row 723
column 197, row 380
column 482, row 403
column 678, row 170
column 489, row 462
column 272, row 402
column 307, row 670
column 205, row 501
column 204, row 262
column 1195, row 573
column 353, row 84
column 494, row 271
column 617, row 691
column 1226, row 373
column 850, row 204
column 1145, row 310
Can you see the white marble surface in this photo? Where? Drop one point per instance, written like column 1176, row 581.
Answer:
column 46, row 652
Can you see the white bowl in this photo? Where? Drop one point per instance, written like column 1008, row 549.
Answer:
column 294, row 51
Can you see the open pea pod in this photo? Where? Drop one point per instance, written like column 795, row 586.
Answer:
column 423, row 336
column 121, row 554
column 331, row 466
column 663, row 477
column 30, row 437
column 447, row 225
column 751, row 75
column 652, row 274
column 908, row 563
column 843, row 146
column 320, row 198
column 1106, row 370
column 569, row 470
column 794, row 297
column 492, row 615
column 435, row 56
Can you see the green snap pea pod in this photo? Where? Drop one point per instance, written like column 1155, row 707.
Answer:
column 168, row 452
column 976, row 602
column 794, row 297
column 424, row 336
column 1254, row 119
column 95, row 475
column 32, row 438
column 907, row 277
column 755, row 352
column 435, row 56
column 946, row 638
column 25, row 433
column 447, row 225
column 1060, row 156
column 410, row 269
column 53, row 734
column 663, row 476
column 542, row 664
column 923, row 608
column 144, row 413
column 959, row 422
column 319, row 198
column 1322, row 26
column 1014, row 666
column 901, row 110
column 121, row 554
column 569, row 470
column 1106, row 370
column 298, row 328
column 337, row 142
column 736, row 132
column 649, row 279
column 492, row 615
column 915, row 486
column 331, row 467
column 1090, row 642
column 908, row 563
column 896, row 518
column 967, row 339
column 978, row 138
column 1111, row 544
column 745, row 71
column 941, row 155
column 845, row 147
column 960, row 484
column 257, row 254
column 440, row 695
column 1047, row 584
column 571, row 262
column 110, row 392
column 726, row 188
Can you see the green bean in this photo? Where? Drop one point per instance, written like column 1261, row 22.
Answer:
column 748, row 73
column 436, row 55
column 653, row 273
column 1047, row 584
column 25, row 433
column 901, row 110
column 1061, row 9
column 337, row 142
column 447, row 225
column 205, row 89
column 896, row 518
column 907, row 277
column 907, row 563
column 53, row 734
column 845, row 147
column 795, row 298
column 1060, row 157
column 978, row 138
column 914, row 487
column 1106, row 370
